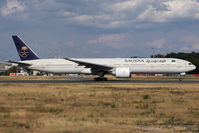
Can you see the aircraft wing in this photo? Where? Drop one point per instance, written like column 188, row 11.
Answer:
column 93, row 66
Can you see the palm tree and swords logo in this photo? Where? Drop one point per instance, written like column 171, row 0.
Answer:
column 24, row 52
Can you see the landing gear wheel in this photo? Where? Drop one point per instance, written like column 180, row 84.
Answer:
column 100, row 79
column 104, row 79
column 180, row 79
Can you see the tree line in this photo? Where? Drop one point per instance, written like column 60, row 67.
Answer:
column 192, row 57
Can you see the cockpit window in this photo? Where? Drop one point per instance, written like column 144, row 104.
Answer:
column 190, row 63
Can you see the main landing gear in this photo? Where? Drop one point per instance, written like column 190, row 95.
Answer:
column 101, row 76
column 100, row 79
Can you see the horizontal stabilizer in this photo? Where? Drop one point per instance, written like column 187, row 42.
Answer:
column 19, row 63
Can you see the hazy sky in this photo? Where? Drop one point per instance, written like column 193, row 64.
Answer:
column 100, row 28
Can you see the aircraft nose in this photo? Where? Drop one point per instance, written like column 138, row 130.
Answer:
column 194, row 67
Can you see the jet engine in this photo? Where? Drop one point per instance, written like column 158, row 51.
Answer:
column 122, row 72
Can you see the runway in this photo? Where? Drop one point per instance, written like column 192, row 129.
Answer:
column 96, row 82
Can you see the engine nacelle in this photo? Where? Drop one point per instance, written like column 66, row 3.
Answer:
column 122, row 72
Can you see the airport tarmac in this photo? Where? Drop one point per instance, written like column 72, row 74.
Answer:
column 109, row 81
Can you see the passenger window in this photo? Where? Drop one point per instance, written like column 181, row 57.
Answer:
column 190, row 63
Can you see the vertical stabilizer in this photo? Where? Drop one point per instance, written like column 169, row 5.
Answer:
column 25, row 53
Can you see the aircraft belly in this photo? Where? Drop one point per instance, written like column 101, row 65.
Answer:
column 61, row 70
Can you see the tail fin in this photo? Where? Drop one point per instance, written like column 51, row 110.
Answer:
column 25, row 53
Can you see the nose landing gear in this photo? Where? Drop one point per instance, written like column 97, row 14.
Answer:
column 180, row 79
column 181, row 74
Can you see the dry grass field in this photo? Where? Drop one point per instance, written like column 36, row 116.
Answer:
column 99, row 108
column 91, row 77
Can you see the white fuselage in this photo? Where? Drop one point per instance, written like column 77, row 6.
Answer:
column 136, row 65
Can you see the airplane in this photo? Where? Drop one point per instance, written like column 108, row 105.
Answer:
column 118, row 67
